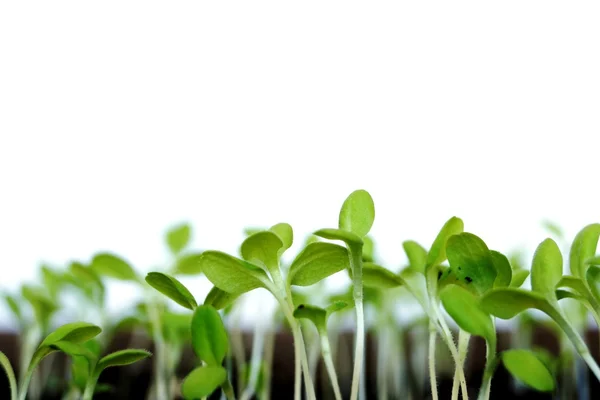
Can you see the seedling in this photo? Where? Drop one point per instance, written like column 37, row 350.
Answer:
column 319, row 317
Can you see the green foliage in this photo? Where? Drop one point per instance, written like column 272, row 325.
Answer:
column 263, row 248
column 583, row 248
column 285, row 233
column 377, row 277
column 546, row 269
column 188, row 264
column 518, row 277
column 529, row 369
column 178, row 237
column 417, row 255
column 316, row 262
column 202, row 382
column 209, row 337
column 504, row 272
column 464, row 308
column 219, row 299
column 471, row 261
column 113, row 266
column 172, row 288
column 121, row 357
column 10, row 375
column 506, row 303
column 357, row 213
column 231, row 274
column 437, row 253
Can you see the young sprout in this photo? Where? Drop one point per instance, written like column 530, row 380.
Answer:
column 355, row 220
column 261, row 269
column 208, row 335
column 528, row 368
column 319, row 317
column 546, row 279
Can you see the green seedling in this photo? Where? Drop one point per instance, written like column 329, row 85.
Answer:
column 319, row 317
column 260, row 268
column 546, row 279
column 528, row 368
column 355, row 220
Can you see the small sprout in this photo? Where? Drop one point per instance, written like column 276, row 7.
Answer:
column 583, row 248
column 417, row 255
column 437, row 253
column 357, row 213
column 547, row 268
column 263, row 248
column 475, row 259
column 209, row 337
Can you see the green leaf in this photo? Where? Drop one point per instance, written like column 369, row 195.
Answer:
column 52, row 280
column 262, row 248
column 75, row 332
column 339, row 234
column 219, row 299
column 547, row 268
column 503, row 269
column 113, row 266
column 471, row 261
column 121, row 357
column 464, row 308
column 13, row 304
column 554, row 229
column 285, row 233
column 188, row 264
column 377, row 277
column 518, row 277
column 437, row 253
column 583, row 247
column 317, row 315
column 593, row 261
column 506, row 303
column 417, row 255
column 74, row 349
column 178, row 237
column 529, row 369
column 202, row 382
column 209, row 337
column 231, row 274
column 593, row 280
column 43, row 306
column 357, row 213
column 10, row 374
column 565, row 294
column 336, row 306
column 317, row 261
column 172, row 288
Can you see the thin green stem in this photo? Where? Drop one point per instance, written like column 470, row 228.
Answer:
column 258, row 342
column 159, row 349
column 25, row 382
column 90, row 386
column 328, row 359
column 575, row 339
column 228, row 389
column 463, row 347
column 356, row 267
column 269, row 352
column 432, row 376
column 10, row 374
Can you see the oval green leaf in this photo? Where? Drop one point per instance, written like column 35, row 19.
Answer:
column 188, row 264
column 377, row 277
column 357, row 213
column 112, row 266
column 417, row 255
column 503, row 269
column 506, row 303
column 316, row 262
column 547, row 268
column 285, row 233
column 464, row 308
column 231, row 274
column 178, row 237
column 339, row 234
column 121, row 357
column 202, row 382
column 74, row 349
column 518, row 277
column 317, row 315
column 471, row 261
column 437, row 253
column 529, row 369
column 209, row 337
column 262, row 248
column 172, row 288
column 583, row 247
column 219, row 299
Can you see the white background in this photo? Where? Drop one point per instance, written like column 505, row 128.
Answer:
column 118, row 119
